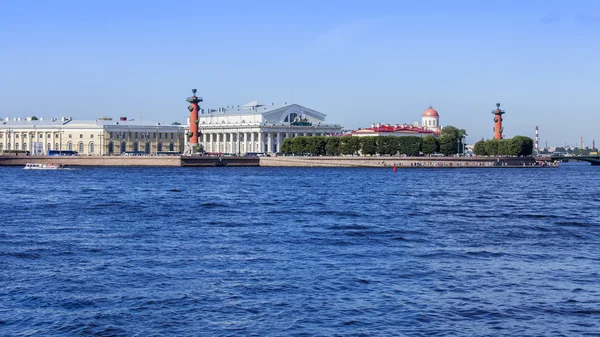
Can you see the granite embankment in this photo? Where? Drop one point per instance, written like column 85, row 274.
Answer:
column 399, row 162
column 199, row 161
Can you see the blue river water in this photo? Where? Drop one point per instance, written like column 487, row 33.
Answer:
column 300, row 252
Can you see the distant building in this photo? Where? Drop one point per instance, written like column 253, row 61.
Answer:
column 430, row 125
column 256, row 127
column 103, row 136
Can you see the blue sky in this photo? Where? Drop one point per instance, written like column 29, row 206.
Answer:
column 364, row 62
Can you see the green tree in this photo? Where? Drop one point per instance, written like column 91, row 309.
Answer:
column 300, row 145
column 491, row 147
column 286, row 146
column 516, row 146
column 458, row 134
column 316, row 145
column 332, row 148
column 34, row 118
column 479, row 148
column 386, row 145
column 503, row 147
column 430, row 145
column 409, row 145
column 176, row 123
column 448, row 144
column 350, row 145
column 369, row 145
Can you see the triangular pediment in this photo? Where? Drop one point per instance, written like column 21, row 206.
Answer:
column 280, row 114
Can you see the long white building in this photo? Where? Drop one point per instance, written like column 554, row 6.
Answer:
column 255, row 127
column 103, row 136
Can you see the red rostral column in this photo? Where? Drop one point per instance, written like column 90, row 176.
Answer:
column 193, row 108
column 498, row 129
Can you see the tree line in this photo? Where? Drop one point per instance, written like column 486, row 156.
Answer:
column 370, row 145
column 515, row 146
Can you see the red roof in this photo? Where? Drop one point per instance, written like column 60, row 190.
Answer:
column 430, row 112
column 387, row 128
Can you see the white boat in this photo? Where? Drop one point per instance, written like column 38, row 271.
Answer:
column 35, row 166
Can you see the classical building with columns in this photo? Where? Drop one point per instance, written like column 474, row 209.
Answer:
column 258, row 128
column 103, row 136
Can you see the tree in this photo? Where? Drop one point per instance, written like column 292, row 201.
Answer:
column 369, row 145
column 430, row 145
column 34, row 118
column 386, row 145
column 503, row 147
column 459, row 135
column 350, row 145
column 479, row 148
column 516, row 146
column 286, row 146
column 315, row 145
column 332, row 148
column 491, row 147
column 448, row 144
column 176, row 123
column 409, row 145
column 299, row 145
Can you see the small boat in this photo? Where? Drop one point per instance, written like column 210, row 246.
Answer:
column 35, row 166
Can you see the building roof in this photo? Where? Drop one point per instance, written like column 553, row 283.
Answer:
column 430, row 112
column 71, row 123
column 387, row 128
column 254, row 107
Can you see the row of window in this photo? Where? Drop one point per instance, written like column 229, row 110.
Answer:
column 136, row 147
column 112, row 135
column 91, row 147
column 141, row 135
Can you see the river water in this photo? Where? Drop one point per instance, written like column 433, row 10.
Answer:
column 300, row 251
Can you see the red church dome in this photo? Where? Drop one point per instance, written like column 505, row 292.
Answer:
column 430, row 112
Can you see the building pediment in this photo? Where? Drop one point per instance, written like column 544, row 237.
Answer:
column 289, row 112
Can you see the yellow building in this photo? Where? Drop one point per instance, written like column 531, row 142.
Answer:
column 103, row 136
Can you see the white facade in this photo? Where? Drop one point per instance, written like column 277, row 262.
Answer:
column 256, row 128
column 103, row 136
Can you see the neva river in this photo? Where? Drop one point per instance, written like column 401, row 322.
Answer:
column 300, row 251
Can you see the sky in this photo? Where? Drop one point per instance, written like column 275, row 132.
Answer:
column 358, row 62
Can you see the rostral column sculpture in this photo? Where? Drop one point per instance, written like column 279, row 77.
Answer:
column 498, row 129
column 193, row 134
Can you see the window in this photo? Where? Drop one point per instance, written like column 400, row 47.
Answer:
column 80, row 135
column 160, row 135
column 91, row 136
column 123, row 147
column 70, row 135
column 70, row 146
column 111, row 135
column 129, row 134
column 135, row 147
column 91, row 148
column 80, row 148
column 56, row 146
column 136, row 135
column 111, row 148
column 172, row 135
column 16, row 146
column 171, row 147
column 154, row 135
column 148, row 148
column 49, row 146
column 1, row 146
column 24, row 146
column 159, row 147
column 48, row 136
